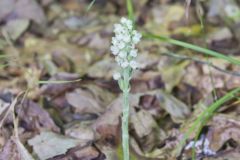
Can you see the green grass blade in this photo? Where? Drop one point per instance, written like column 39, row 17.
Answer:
column 193, row 47
column 57, row 82
column 90, row 5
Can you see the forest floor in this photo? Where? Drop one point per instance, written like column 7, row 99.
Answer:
column 58, row 100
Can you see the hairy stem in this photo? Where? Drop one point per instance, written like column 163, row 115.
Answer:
column 125, row 117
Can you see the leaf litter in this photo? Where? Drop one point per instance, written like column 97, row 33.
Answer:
column 64, row 41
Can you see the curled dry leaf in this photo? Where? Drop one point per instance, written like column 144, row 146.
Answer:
column 222, row 129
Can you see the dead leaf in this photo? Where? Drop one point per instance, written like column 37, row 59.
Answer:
column 148, row 133
column 49, row 144
column 10, row 151
column 81, row 131
column 177, row 109
column 25, row 155
column 103, row 69
column 223, row 128
column 88, row 153
column 107, row 125
column 23, row 9
column 83, row 102
column 15, row 28
column 35, row 117
column 173, row 74
column 143, row 123
column 72, row 54
column 233, row 154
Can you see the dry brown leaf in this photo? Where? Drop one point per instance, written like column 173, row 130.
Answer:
column 28, row 9
column 83, row 102
column 10, row 151
column 223, row 128
column 49, row 144
column 143, row 123
column 35, row 117
column 81, row 131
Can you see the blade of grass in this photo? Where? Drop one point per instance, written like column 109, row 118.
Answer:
column 58, row 82
column 193, row 47
column 90, row 5
column 214, row 93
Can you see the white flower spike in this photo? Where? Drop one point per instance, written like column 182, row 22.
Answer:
column 123, row 44
column 123, row 48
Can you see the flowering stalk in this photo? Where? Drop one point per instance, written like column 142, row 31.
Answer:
column 123, row 48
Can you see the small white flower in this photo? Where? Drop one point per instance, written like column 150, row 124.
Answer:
column 136, row 38
column 119, row 37
column 118, row 28
column 124, row 64
column 114, row 50
column 118, row 60
column 133, row 53
column 127, row 38
column 121, row 45
column 122, row 54
column 114, row 41
column 123, row 20
column 116, row 76
column 133, row 64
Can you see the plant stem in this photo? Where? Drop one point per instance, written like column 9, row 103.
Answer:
column 125, row 117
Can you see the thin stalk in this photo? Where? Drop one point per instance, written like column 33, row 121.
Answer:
column 130, row 10
column 125, row 116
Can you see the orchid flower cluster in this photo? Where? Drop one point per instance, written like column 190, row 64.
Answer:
column 123, row 45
